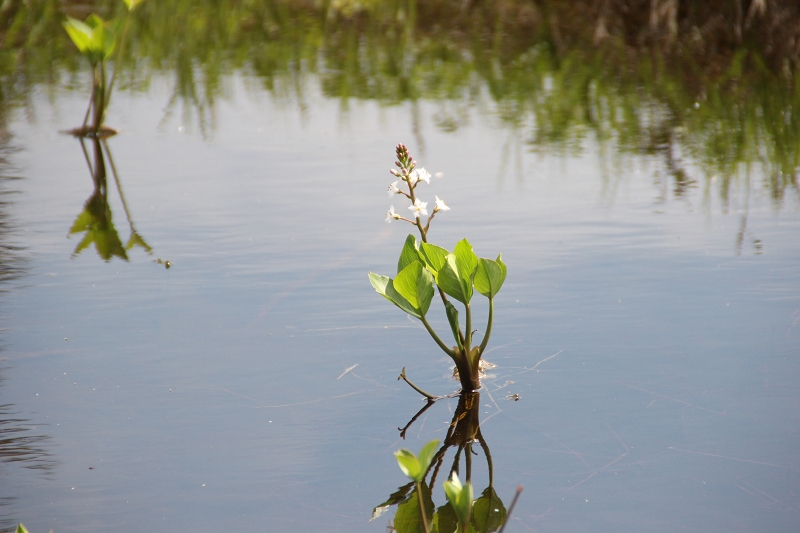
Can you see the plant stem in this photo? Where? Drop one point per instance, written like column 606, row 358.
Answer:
column 488, row 327
column 422, row 508
column 436, row 338
column 430, row 397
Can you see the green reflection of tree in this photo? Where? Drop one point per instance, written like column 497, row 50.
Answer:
column 716, row 83
column 464, row 433
column 95, row 221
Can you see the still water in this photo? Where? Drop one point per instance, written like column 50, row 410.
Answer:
column 652, row 336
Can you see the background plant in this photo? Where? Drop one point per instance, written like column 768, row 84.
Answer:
column 97, row 39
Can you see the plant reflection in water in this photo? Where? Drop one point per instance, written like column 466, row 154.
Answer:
column 488, row 513
column 95, row 221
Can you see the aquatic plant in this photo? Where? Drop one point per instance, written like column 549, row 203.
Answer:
column 425, row 267
column 97, row 40
column 416, row 512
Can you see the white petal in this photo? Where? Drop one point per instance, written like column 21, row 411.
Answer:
column 424, row 175
column 440, row 205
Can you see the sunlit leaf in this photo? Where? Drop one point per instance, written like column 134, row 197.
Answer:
column 21, row 528
column 460, row 497
column 434, row 256
column 415, row 467
column 409, row 253
column 132, row 4
column 467, row 263
column 415, row 284
column 426, row 454
column 384, row 286
column 490, row 276
column 79, row 32
column 448, row 279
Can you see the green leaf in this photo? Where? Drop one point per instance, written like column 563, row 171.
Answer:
column 415, row 284
column 444, row 520
column 396, row 497
column 490, row 276
column 467, row 263
column 409, row 253
column 94, row 38
column 426, row 454
column 79, row 32
column 408, row 518
column 416, row 467
column 488, row 512
column 384, row 286
column 21, row 528
column 434, row 256
column 103, row 39
column 132, row 4
column 452, row 318
column 448, row 279
column 460, row 497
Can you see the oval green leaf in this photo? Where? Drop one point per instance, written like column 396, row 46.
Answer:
column 415, row 284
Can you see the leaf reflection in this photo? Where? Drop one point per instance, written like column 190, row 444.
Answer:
column 489, row 512
column 95, row 221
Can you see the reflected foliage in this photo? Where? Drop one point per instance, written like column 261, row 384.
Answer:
column 95, row 221
column 488, row 511
column 711, row 89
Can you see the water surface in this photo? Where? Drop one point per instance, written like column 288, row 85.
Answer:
column 212, row 395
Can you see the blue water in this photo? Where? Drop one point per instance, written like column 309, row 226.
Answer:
column 213, row 395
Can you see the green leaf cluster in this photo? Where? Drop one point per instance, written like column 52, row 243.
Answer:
column 460, row 498
column 457, row 274
column 415, row 467
column 95, row 38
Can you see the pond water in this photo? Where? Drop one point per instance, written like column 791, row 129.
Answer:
column 650, row 331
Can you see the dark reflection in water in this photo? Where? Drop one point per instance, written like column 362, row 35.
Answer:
column 463, row 434
column 95, row 221
column 709, row 90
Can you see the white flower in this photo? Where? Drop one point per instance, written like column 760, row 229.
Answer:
column 419, row 174
column 419, row 208
column 390, row 214
column 440, row 205
column 393, row 189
